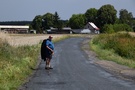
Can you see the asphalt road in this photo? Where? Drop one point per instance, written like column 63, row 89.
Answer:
column 73, row 71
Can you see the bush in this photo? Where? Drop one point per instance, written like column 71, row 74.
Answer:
column 122, row 27
column 109, row 28
column 122, row 43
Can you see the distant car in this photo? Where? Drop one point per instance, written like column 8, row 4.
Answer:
column 33, row 31
column 85, row 31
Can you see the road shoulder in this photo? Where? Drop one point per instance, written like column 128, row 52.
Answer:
column 112, row 67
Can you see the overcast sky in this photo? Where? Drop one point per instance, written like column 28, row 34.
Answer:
column 19, row 10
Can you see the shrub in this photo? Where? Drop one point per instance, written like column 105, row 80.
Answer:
column 109, row 28
column 122, row 27
column 122, row 43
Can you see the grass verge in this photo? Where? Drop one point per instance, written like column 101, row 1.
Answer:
column 16, row 63
column 115, row 48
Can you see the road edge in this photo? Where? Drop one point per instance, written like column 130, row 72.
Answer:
column 120, row 71
column 23, row 86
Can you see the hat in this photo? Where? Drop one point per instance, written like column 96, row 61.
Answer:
column 50, row 37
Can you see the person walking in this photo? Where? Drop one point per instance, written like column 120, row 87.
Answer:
column 47, row 50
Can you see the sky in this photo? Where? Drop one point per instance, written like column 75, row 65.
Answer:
column 26, row 10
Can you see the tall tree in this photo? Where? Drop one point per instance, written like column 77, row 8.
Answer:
column 57, row 22
column 47, row 20
column 77, row 21
column 37, row 23
column 106, row 15
column 126, row 17
column 91, row 15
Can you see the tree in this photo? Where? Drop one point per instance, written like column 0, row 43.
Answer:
column 47, row 20
column 134, row 25
column 37, row 23
column 77, row 21
column 91, row 15
column 106, row 15
column 126, row 17
column 65, row 23
column 108, row 28
column 57, row 22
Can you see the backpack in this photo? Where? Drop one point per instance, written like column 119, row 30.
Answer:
column 43, row 49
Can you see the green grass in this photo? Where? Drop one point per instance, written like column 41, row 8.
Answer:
column 115, row 47
column 16, row 63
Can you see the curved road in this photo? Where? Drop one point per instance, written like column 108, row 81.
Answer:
column 73, row 72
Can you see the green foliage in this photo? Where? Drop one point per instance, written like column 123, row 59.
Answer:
column 48, row 20
column 77, row 21
column 125, row 16
column 109, row 28
column 91, row 15
column 106, row 15
column 16, row 64
column 122, row 44
column 41, row 23
column 5, row 49
column 37, row 23
column 122, row 27
column 57, row 22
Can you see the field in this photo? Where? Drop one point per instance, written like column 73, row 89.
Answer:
column 18, row 54
column 29, row 39
column 22, row 52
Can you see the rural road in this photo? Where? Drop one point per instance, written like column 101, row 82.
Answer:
column 74, row 71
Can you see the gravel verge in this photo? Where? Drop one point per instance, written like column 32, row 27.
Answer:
column 112, row 67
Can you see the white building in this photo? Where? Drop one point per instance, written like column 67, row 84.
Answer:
column 92, row 27
column 14, row 29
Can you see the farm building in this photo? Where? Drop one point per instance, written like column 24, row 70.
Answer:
column 14, row 29
column 92, row 27
column 88, row 28
column 65, row 30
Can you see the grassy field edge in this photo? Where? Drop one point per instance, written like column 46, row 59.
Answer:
column 110, row 55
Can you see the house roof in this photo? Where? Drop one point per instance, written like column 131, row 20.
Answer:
column 93, row 25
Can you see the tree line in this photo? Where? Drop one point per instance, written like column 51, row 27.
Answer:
column 44, row 22
column 105, row 18
column 15, row 22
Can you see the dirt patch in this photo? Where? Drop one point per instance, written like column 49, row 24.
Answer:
column 112, row 67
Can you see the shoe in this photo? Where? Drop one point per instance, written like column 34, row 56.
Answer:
column 47, row 68
column 50, row 68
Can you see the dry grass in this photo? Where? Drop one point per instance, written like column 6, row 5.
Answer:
column 32, row 39
column 132, row 34
column 5, row 37
column 29, row 39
